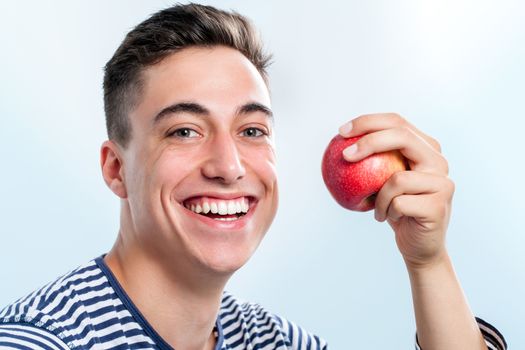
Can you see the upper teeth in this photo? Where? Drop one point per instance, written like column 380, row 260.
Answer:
column 221, row 207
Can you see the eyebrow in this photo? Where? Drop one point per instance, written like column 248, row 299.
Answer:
column 198, row 109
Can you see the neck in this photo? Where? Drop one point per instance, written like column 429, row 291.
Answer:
column 180, row 304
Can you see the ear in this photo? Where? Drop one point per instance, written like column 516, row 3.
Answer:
column 112, row 169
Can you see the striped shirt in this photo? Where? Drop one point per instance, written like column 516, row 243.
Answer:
column 88, row 309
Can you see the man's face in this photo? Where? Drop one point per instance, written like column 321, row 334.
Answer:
column 202, row 141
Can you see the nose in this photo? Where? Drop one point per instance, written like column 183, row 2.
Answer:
column 224, row 162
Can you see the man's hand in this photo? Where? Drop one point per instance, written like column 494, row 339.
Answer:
column 416, row 203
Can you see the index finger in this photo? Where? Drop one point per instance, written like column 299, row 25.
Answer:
column 368, row 123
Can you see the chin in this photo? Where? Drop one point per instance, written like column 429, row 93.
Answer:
column 227, row 260
column 223, row 267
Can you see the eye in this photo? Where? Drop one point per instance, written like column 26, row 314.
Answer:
column 253, row 132
column 184, row 133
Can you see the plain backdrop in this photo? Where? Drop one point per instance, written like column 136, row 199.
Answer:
column 453, row 68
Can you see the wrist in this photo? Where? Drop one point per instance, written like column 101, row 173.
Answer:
column 423, row 266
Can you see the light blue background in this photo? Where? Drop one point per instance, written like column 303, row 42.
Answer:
column 453, row 68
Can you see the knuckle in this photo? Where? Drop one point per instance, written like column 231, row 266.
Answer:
column 440, row 163
column 436, row 144
column 397, row 204
column 405, row 130
column 445, row 165
column 366, row 141
column 397, row 118
column 451, row 186
column 397, row 179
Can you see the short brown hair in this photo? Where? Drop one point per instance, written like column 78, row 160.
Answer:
column 164, row 33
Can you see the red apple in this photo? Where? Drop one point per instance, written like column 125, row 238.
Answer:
column 354, row 185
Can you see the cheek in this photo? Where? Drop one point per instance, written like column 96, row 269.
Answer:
column 267, row 173
column 172, row 166
column 262, row 162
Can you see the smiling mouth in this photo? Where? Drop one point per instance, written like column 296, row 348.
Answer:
column 219, row 209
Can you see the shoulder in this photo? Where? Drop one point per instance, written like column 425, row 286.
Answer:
column 58, row 310
column 53, row 297
column 251, row 325
column 27, row 336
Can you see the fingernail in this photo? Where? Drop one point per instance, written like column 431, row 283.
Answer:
column 345, row 129
column 350, row 151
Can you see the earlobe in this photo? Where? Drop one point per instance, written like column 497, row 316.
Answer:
column 112, row 169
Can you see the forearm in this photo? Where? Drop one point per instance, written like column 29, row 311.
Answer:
column 443, row 317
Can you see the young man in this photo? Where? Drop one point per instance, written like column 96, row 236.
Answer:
column 191, row 156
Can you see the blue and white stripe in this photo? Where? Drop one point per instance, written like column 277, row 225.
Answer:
column 87, row 309
column 493, row 338
column 23, row 336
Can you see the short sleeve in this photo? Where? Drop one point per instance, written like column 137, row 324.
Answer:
column 493, row 338
column 28, row 337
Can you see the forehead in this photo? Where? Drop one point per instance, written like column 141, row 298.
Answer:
column 220, row 78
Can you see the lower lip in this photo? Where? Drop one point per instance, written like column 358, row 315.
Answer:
column 221, row 224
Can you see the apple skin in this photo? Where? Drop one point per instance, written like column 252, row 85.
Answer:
column 354, row 185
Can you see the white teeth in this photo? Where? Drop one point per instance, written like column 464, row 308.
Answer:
column 213, row 208
column 198, row 209
column 232, row 208
column 223, row 208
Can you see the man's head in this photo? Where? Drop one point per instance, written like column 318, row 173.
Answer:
column 191, row 150
column 164, row 33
